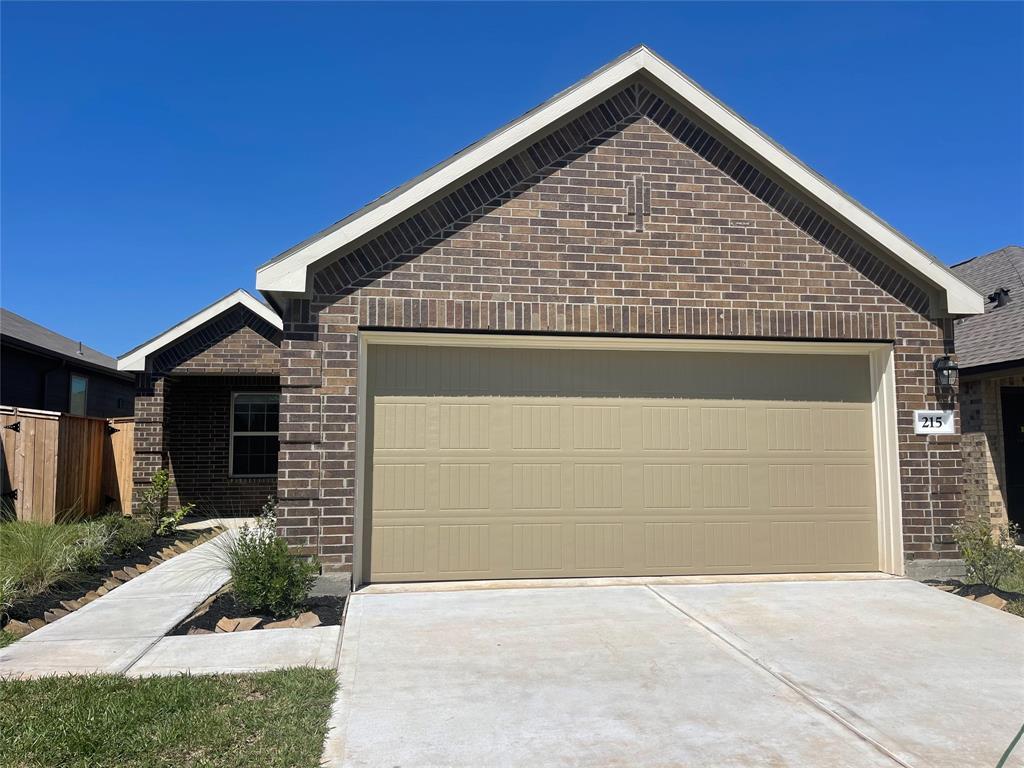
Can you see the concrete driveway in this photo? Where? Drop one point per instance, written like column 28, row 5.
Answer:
column 807, row 673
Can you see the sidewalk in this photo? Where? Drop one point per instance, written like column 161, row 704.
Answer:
column 110, row 634
column 124, row 631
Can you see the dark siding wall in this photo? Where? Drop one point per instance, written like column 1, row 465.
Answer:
column 22, row 378
column 30, row 380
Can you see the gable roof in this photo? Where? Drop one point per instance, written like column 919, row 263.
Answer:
column 998, row 335
column 24, row 332
column 287, row 274
column 135, row 360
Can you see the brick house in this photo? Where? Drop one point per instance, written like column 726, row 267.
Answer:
column 991, row 351
column 205, row 391
column 625, row 334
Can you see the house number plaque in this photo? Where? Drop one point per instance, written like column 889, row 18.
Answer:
column 933, row 422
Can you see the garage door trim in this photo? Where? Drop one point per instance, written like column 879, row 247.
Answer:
column 883, row 409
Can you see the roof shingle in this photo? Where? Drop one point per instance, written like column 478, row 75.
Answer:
column 24, row 330
column 998, row 335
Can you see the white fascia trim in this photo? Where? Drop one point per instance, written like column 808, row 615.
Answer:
column 136, row 359
column 288, row 275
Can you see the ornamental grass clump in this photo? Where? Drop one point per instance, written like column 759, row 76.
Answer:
column 36, row 556
column 265, row 577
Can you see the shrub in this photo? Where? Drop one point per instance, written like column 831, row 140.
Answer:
column 126, row 533
column 170, row 521
column 989, row 554
column 265, row 577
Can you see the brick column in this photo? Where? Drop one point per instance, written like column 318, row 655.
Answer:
column 339, row 334
column 298, row 468
column 150, row 447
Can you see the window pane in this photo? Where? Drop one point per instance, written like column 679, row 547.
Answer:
column 241, row 417
column 255, row 455
column 255, row 412
column 79, row 393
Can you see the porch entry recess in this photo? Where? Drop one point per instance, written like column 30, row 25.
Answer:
column 537, row 462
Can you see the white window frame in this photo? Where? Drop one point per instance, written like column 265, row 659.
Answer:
column 71, row 392
column 231, row 432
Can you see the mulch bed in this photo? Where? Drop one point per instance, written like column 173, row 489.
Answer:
column 83, row 583
column 328, row 608
column 972, row 591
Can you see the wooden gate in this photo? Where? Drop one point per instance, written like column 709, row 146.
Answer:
column 57, row 465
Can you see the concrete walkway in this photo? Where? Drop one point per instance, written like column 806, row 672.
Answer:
column 124, row 631
column 235, row 653
column 815, row 673
column 112, row 633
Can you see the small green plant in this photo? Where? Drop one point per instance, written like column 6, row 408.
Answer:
column 91, row 547
column 153, row 500
column 265, row 576
column 170, row 521
column 1016, row 607
column 126, row 533
column 989, row 554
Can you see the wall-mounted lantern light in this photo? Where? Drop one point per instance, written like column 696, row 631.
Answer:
column 946, row 372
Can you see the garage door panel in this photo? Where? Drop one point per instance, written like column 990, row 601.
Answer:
column 665, row 428
column 464, row 426
column 526, row 473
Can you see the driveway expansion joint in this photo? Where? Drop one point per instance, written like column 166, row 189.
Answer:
column 795, row 687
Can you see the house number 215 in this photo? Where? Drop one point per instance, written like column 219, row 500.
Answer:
column 933, row 422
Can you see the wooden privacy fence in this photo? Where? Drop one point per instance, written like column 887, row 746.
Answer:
column 56, row 465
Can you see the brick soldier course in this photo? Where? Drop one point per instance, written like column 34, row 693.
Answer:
column 629, row 219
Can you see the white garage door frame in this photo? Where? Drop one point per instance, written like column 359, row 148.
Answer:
column 879, row 357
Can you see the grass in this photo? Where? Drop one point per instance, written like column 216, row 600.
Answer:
column 35, row 557
column 1014, row 582
column 274, row 719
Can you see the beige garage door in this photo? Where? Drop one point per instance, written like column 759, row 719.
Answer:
column 514, row 463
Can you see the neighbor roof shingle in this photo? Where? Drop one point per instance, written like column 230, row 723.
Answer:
column 21, row 329
column 998, row 335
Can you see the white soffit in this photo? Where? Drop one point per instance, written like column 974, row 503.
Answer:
column 136, row 359
column 287, row 274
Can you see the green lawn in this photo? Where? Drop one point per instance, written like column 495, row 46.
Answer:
column 270, row 719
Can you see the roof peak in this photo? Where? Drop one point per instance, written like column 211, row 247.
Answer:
column 290, row 272
column 135, row 359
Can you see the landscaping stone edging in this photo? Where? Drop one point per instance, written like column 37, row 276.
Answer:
column 21, row 628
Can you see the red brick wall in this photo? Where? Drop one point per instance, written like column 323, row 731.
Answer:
column 198, row 412
column 629, row 220
column 182, row 411
column 985, row 470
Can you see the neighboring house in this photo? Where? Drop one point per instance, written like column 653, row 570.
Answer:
column 626, row 334
column 990, row 348
column 42, row 369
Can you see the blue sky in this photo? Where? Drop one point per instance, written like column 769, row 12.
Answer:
column 154, row 154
